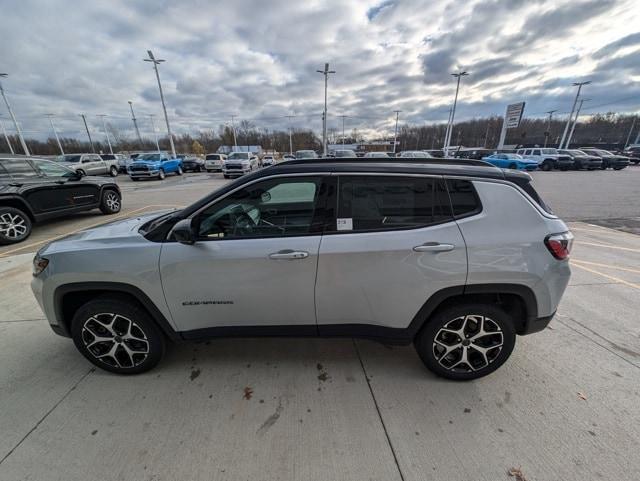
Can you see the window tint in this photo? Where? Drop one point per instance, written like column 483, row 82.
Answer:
column 536, row 152
column 19, row 168
column 51, row 169
column 464, row 199
column 387, row 203
column 271, row 208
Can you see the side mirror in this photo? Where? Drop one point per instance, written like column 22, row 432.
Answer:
column 183, row 232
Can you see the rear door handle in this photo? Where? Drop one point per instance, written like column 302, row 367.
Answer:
column 289, row 254
column 434, row 247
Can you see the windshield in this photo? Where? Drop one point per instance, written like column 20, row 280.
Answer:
column 238, row 156
column 69, row 158
column 577, row 153
column 514, row 156
column 149, row 157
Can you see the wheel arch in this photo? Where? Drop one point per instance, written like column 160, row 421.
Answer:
column 69, row 298
column 517, row 300
column 18, row 203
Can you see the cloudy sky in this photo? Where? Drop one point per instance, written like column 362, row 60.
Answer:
column 257, row 59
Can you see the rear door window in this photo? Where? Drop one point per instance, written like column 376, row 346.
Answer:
column 378, row 203
column 19, row 168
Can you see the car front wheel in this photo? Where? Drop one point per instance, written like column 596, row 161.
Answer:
column 161, row 174
column 15, row 225
column 466, row 342
column 117, row 335
column 113, row 171
column 111, row 202
column 179, row 171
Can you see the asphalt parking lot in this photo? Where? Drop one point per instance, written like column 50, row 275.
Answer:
column 566, row 406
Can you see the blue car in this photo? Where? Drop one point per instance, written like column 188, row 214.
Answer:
column 511, row 161
column 154, row 165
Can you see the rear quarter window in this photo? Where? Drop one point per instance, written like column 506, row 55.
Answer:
column 464, row 199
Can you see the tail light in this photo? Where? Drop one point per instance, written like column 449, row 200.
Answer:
column 559, row 244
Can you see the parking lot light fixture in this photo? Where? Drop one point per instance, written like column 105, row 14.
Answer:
column 55, row 132
column 548, row 131
column 326, row 73
column 290, row 139
column 106, row 132
column 458, row 76
column 573, row 108
column 6, row 137
column 233, row 128
column 573, row 127
column 395, row 135
column 156, row 62
column 13, row 117
column 86, row 127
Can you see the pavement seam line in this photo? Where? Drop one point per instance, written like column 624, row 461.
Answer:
column 606, row 348
column 606, row 266
column 22, row 320
column 71, row 389
column 617, row 279
column 607, row 245
column 375, row 403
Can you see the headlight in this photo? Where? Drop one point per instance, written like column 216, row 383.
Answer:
column 39, row 265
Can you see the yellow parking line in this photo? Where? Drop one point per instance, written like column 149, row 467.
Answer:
column 609, row 266
column 606, row 245
column 612, row 278
column 109, row 219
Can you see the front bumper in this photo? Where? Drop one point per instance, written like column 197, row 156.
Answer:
column 144, row 174
column 565, row 164
column 528, row 166
column 237, row 172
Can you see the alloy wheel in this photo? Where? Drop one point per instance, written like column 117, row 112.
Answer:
column 112, row 201
column 12, row 226
column 468, row 343
column 115, row 340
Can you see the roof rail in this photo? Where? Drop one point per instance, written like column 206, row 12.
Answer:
column 390, row 160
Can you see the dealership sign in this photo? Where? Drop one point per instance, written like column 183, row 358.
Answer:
column 514, row 115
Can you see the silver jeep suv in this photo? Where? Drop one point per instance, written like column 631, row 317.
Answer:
column 455, row 256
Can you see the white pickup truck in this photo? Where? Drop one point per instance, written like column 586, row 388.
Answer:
column 89, row 164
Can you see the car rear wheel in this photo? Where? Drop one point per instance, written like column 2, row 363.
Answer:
column 546, row 166
column 513, row 165
column 81, row 172
column 15, row 225
column 113, row 171
column 117, row 335
column 466, row 342
column 111, row 202
column 179, row 171
column 161, row 174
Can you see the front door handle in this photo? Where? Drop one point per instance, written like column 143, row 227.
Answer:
column 434, row 247
column 289, row 254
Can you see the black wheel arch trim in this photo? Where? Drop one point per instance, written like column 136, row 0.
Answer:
column 111, row 287
column 27, row 208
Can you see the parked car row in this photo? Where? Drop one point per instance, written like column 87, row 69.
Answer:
column 547, row 159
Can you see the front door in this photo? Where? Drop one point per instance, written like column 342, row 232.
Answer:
column 254, row 263
column 392, row 244
column 93, row 164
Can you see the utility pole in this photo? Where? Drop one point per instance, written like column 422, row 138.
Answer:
column 156, row 62
column 573, row 108
column 6, row 137
column 155, row 134
column 395, row 135
column 633, row 124
column 548, row 131
column 104, row 127
column 55, row 132
column 84, row 119
column 573, row 127
column 135, row 123
column 290, row 140
column 343, row 117
column 13, row 117
column 233, row 127
column 326, row 73
column 458, row 76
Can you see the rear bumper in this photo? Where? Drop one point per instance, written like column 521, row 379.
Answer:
column 536, row 324
column 564, row 164
column 237, row 172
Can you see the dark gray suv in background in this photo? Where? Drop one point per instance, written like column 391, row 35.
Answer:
column 457, row 257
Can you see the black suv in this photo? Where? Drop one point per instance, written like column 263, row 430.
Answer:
column 32, row 190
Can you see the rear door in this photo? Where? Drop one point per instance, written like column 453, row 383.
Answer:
column 93, row 164
column 391, row 245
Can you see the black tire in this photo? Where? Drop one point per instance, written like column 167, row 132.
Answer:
column 113, row 171
column 111, row 202
column 577, row 165
column 495, row 318
column 618, row 168
column 15, row 225
column 161, row 174
column 81, row 172
column 112, row 318
column 179, row 171
column 546, row 166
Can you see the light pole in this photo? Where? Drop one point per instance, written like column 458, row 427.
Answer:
column 84, row 119
column 290, row 140
column 458, row 76
column 343, row 117
column 55, row 132
column 633, row 125
column 326, row 73
column 155, row 134
column 6, row 137
column 135, row 123
column 104, row 127
column 233, row 127
column 395, row 135
column 13, row 117
column 548, row 131
column 573, row 108
column 156, row 62
column 573, row 127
